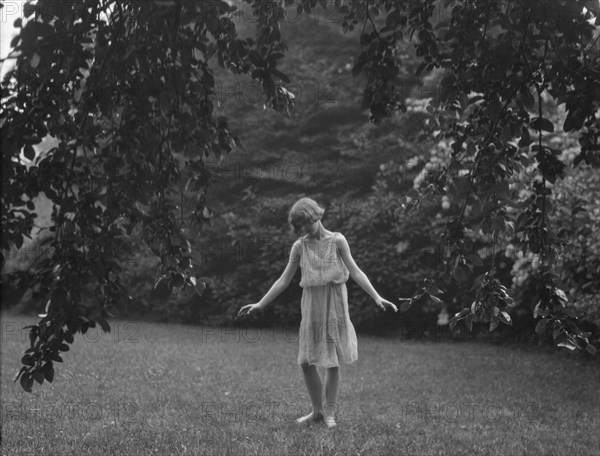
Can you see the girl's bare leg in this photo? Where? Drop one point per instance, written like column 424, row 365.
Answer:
column 315, row 390
column 332, row 386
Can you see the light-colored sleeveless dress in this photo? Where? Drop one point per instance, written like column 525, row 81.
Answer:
column 327, row 336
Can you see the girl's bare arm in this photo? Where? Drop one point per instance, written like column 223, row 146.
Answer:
column 282, row 282
column 360, row 277
column 355, row 272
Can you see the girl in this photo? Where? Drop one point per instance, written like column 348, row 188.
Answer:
column 327, row 337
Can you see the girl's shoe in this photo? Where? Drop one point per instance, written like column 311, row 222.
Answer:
column 330, row 421
column 311, row 418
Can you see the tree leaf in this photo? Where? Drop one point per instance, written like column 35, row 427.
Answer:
column 567, row 344
column 160, row 279
column 452, row 322
column 38, row 376
column 461, row 274
column 200, row 287
column 574, row 121
column 494, row 324
column 405, row 305
column 527, row 97
column 103, row 323
column 525, row 138
column 34, row 62
column 561, row 294
column 505, row 317
column 26, row 381
column 29, row 152
column 436, row 299
column 49, row 371
column 28, row 9
column 541, row 123
column 540, row 328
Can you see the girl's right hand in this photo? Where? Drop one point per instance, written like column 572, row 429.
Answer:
column 248, row 309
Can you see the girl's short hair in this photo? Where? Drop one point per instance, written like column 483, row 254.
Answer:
column 304, row 210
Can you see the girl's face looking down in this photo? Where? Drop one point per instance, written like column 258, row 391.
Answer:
column 306, row 227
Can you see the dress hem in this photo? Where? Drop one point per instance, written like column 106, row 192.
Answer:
column 327, row 365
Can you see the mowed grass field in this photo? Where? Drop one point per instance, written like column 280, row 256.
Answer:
column 149, row 388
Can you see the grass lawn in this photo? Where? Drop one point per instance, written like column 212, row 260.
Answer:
column 181, row 390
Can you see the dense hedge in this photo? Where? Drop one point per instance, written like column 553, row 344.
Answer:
column 249, row 244
column 243, row 253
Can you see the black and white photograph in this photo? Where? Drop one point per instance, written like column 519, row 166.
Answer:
column 300, row 227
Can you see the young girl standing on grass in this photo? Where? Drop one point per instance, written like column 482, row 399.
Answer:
column 327, row 337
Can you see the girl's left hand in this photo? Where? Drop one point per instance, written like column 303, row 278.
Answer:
column 384, row 302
